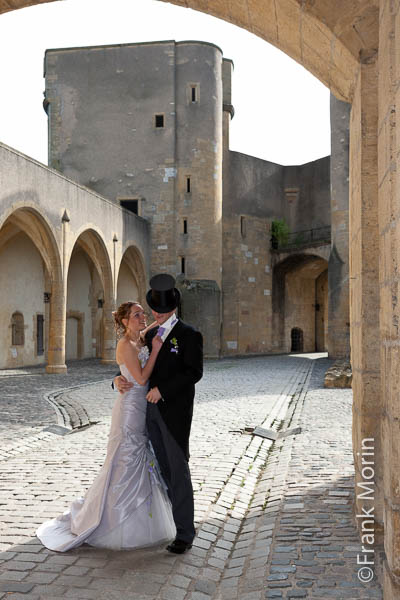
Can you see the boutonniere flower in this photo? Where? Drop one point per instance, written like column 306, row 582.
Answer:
column 175, row 346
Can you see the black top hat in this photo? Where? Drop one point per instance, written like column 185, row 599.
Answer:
column 163, row 296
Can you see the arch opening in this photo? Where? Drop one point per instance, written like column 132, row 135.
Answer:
column 297, row 340
column 300, row 295
column 326, row 40
column 29, row 259
column 89, row 298
column 131, row 279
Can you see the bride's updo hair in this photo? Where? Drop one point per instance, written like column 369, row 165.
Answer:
column 122, row 312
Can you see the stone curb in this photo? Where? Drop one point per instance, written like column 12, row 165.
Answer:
column 261, row 519
column 70, row 413
column 71, row 416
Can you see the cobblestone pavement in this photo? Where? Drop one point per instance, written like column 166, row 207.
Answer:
column 24, row 410
column 274, row 518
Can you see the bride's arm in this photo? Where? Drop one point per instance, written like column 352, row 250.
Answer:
column 130, row 358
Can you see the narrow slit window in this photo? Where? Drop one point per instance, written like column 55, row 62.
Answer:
column 39, row 335
column 243, row 226
column 193, row 93
column 188, row 185
column 183, row 265
column 159, row 121
column 185, row 226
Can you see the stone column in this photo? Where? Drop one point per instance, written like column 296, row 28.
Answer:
column 56, row 348
column 110, row 291
column 364, row 287
column 338, row 272
column 389, row 229
column 58, row 308
column 108, row 355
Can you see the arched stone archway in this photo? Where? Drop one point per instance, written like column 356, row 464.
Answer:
column 131, row 280
column 326, row 38
column 90, row 299
column 29, row 258
column 300, row 301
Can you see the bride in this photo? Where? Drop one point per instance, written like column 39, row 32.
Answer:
column 127, row 505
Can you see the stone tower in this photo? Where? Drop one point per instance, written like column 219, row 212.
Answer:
column 142, row 125
column 147, row 127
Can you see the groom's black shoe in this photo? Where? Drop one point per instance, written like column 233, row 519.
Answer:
column 179, row 546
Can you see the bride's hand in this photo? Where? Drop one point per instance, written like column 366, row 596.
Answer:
column 157, row 343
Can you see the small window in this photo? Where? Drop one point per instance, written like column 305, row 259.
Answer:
column 188, row 185
column 17, row 329
column 159, row 120
column 243, row 226
column 183, row 265
column 132, row 205
column 193, row 93
column 39, row 335
column 185, row 226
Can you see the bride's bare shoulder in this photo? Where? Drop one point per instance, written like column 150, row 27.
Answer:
column 125, row 346
column 121, row 344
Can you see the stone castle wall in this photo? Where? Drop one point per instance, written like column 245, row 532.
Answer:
column 210, row 209
column 173, row 170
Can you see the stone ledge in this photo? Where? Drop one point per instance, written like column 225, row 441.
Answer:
column 339, row 375
column 70, row 413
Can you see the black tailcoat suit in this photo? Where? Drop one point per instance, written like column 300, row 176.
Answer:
column 179, row 365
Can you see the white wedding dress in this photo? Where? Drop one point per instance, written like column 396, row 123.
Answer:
column 127, row 505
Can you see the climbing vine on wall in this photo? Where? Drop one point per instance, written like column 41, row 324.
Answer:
column 279, row 233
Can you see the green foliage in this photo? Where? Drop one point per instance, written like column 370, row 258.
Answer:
column 300, row 239
column 279, row 233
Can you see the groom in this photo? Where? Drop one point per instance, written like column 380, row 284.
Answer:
column 178, row 367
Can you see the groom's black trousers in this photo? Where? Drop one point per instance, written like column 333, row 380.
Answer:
column 175, row 470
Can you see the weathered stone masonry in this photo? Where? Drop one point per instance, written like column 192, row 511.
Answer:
column 210, row 209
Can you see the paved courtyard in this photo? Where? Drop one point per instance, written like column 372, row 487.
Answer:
column 274, row 518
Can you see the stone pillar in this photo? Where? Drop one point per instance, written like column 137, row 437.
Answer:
column 56, row 349
column 364, row 289
column 338, row 273
column 110, row 291
column 109, row 338
column 389, row 229
column 58, row 308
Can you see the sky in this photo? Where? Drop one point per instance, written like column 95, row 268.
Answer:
column 281, row 110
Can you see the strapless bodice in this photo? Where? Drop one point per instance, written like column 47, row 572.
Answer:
column 143, row 357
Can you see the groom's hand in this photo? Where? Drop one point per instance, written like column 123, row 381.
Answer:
column 122, row 384
column 153, row 395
